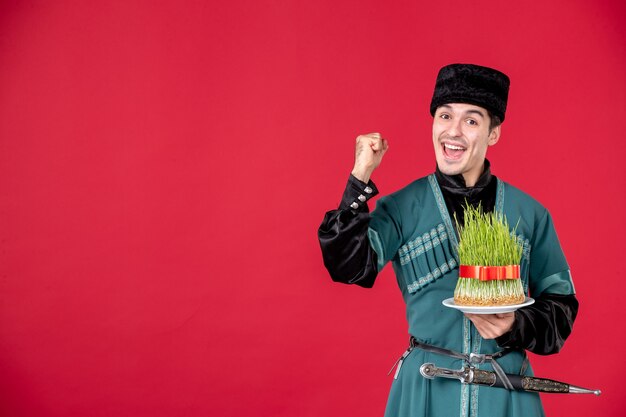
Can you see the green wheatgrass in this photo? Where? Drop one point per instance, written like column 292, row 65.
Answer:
column 485, row 240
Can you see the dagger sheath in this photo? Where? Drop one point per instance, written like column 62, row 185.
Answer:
column 519, row 382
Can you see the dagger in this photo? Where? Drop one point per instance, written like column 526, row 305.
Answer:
column 470, row 375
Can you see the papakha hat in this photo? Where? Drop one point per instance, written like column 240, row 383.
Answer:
column 471, row 84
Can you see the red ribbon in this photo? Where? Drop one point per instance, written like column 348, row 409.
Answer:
column 489, row 273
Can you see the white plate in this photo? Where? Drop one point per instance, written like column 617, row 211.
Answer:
column 449, row 302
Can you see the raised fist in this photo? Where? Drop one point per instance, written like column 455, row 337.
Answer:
column 368, row 154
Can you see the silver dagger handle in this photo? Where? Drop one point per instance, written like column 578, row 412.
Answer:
column 430, row 371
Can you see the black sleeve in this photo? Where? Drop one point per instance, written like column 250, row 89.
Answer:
column 543, row 326
column 346, row 250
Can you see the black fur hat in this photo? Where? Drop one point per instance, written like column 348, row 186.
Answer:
column 472, row 84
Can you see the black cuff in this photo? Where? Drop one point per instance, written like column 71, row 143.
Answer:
column 543, row 327
column 356, row 194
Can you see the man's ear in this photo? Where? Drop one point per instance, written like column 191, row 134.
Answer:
column 494, row 135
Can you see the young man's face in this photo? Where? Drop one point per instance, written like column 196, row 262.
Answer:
column 461, row 137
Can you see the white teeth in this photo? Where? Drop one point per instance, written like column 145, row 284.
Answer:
column 456, row 148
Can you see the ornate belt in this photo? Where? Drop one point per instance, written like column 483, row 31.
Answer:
column 470, row 358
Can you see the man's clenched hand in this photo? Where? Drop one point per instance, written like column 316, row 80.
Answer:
column 369, row 153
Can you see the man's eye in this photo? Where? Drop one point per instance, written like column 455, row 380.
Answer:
column 444, row 116
column 471, row 122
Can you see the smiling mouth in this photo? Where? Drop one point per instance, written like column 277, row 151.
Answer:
column 453, row 152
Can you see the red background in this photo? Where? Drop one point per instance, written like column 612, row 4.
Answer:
column 164, row 167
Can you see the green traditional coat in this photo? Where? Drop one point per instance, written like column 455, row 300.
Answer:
column 412, row 229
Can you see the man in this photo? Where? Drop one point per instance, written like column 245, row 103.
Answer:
column 414, row 229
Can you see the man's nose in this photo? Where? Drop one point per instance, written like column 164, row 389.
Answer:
column 455, row 128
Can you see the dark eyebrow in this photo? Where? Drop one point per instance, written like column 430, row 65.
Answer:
column 480, row 113
column 471, row 111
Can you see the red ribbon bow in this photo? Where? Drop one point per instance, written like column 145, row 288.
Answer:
column 489, row 273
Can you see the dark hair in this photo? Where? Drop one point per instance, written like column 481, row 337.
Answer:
column 494, row 121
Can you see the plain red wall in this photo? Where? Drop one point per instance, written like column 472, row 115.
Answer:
column 164, row 166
